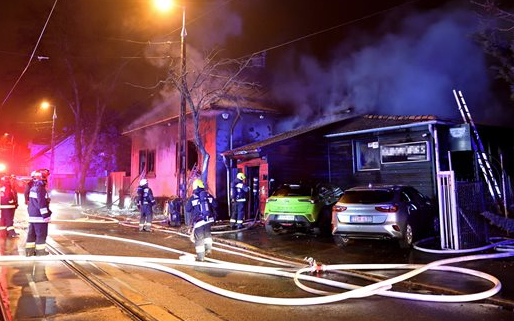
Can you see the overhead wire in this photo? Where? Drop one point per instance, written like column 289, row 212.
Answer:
column 31, row 56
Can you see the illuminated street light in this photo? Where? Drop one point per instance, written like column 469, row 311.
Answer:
column 46, row 105
column 165, row 5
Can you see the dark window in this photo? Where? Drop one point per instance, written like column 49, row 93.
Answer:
column 293, row 190
column 367, row 197
column 147, row 162
column 192, row 155
column 367, row 156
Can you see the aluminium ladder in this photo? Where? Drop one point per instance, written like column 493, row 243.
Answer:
column 483, row 161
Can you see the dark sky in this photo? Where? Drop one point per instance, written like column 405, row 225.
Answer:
column 391, row 57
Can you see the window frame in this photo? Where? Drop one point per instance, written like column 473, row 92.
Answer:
column 150, row 161
column 371, row 145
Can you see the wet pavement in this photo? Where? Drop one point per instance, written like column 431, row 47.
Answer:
column 323, row 250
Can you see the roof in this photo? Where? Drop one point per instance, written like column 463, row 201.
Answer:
column 44, row 150
column 256, row 146
column 375, row 123
column 248, row 105
column 341, row 127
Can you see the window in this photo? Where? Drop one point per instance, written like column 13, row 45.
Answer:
column 147, row 162
column 367, row 156
column 192, row 155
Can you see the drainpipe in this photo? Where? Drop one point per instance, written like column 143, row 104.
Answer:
column 229, row 164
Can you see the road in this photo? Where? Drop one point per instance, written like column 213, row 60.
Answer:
column 79, row 290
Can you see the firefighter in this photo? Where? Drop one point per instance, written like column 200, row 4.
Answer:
column 238, row 192
column 145, row 202
column 9, row 204
column 39, row 215
column 29, row 186
column 202, row 209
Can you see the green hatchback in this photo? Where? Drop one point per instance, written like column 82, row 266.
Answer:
column 300, row 207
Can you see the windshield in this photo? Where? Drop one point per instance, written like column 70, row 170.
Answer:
column 367, row 197
column 293, row 190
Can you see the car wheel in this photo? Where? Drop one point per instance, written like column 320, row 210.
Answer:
column 341, row 241
column 407, row 237
column 271, row 229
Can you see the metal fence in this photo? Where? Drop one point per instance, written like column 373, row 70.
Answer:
column 461, row 205
column 472, row 200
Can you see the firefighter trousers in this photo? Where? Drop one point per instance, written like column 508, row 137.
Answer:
column 203, row 239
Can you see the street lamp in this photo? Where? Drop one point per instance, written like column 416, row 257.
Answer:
column 165, row 5
column 46, row 105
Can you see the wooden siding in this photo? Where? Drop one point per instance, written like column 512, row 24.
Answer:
column 421, row 174
column 303, row 158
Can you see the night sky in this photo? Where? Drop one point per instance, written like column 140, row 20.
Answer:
column 387, row 57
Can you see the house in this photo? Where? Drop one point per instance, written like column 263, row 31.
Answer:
column 108, row 157
column 375, row 149
column 154, row 147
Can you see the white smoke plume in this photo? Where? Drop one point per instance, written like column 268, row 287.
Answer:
column 410, row 71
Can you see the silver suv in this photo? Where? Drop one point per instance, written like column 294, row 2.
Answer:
column 382, row 212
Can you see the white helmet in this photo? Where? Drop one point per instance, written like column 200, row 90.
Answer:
column 143, row 182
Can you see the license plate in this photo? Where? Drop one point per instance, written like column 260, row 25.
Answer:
column 285, row 218
column 361, row 219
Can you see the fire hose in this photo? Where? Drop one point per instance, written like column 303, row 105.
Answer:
column 382, row 288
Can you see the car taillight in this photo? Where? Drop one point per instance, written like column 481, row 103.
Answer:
column 387, row 208
column 338, row 208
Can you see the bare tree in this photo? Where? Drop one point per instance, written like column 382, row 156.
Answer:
column 88, row 125
column 497, row 39
column 208, row 82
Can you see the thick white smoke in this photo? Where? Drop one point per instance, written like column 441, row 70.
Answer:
column 410, row 71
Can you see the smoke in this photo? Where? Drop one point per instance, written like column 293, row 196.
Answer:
column 409, row 71
column 212, row 29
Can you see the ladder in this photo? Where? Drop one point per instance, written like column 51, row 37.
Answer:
column 483, row 161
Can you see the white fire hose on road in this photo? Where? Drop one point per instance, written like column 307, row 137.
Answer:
column 378, row 288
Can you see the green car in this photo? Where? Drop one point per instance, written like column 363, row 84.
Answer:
column 300, row 207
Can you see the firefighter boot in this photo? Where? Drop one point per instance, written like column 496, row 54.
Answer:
column 42, row 252
column 30, row 252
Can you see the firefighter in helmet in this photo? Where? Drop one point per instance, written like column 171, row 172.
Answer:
column 39, row 215
column 145, row 202
column 202, row 208
column 238, row 195
column 29, row 186
column 9, row 204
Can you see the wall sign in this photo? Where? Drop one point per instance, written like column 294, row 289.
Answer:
column 404, row 153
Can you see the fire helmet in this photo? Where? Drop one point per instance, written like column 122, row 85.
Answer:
column 197, row 183
column 241, row 176
column 143, row 182
column 41, row 174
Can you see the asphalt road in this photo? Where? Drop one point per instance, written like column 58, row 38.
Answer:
column 37, row 290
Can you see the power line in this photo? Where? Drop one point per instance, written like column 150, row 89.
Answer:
column 31, row 56
column 329, row 29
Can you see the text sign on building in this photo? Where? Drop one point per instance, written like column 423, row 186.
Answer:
column 405, row 152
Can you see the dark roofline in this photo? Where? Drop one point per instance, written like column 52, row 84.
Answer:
column 255, row 147
column 212, row 108
column 417, row 121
